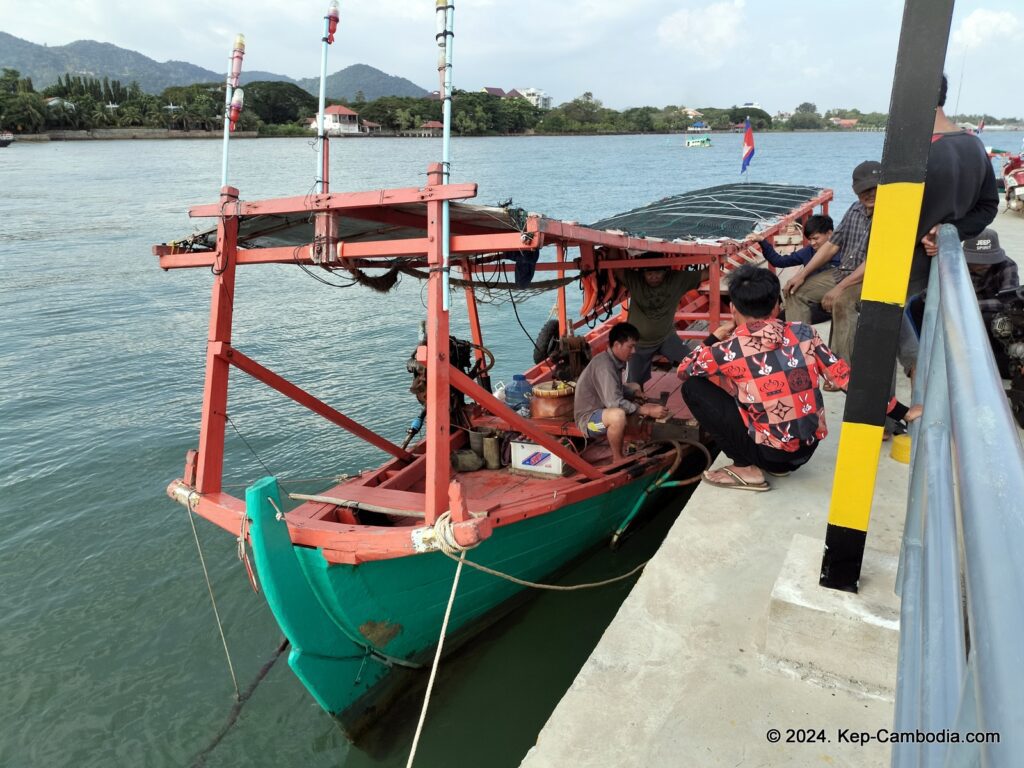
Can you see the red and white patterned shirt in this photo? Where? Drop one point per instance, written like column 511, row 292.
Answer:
column 772, row 369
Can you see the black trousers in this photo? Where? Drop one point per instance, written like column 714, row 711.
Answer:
column 717, row 412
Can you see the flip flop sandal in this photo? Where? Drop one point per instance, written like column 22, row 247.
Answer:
column 738, row 483
column 778, row 474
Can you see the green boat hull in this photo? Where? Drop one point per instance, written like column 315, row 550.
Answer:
column 357, row 631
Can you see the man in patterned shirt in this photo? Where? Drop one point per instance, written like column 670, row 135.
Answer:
column 753, row 385
column 838, row 290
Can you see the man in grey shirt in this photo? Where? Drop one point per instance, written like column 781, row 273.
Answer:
column 601, row 405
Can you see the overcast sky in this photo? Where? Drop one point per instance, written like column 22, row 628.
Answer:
column 835, row 53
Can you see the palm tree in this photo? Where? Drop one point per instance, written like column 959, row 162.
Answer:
column 130, row 116
column 24, row 113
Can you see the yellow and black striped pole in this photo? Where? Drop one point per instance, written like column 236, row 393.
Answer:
column 915, row 88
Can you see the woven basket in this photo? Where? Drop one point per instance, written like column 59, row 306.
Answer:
column 554, row 389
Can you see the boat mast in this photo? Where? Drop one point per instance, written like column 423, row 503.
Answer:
column 445, row 14
column 438, row 435
column 230, row 84
column 210, row 460
column 322, row 150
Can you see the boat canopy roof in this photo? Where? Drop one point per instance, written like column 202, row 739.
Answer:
column 729, row 211
column 395, row 222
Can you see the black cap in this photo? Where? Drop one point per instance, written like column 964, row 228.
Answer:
column 984, row 249
column 866, row 176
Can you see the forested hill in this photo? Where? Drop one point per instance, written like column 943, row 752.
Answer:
column 44, row 64
column 374, row 84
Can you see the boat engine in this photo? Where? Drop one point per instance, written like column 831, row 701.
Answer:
column 1008, row 329
column 460, row 354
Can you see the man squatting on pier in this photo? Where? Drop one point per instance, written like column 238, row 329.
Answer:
column 753, row 384
column 602, row 404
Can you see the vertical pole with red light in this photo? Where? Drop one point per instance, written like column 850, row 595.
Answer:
column 322, row 153
column 233, row 96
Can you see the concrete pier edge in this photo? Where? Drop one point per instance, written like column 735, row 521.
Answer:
column 726, row 641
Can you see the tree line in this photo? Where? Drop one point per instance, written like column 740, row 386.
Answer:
column 75, row 102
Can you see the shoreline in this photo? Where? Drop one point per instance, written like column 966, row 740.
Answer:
column 142, row 134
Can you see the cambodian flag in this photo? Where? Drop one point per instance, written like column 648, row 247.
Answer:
column 748, row 146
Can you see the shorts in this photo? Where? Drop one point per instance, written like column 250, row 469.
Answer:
column 638, row 368
column 594, row 424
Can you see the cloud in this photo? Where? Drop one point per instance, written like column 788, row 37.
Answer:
column 704, row 35
column 983, row 26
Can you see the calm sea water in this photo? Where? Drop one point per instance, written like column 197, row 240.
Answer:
column 108, row 650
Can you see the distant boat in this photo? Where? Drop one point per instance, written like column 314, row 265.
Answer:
column 699, row 141
column 6, row 138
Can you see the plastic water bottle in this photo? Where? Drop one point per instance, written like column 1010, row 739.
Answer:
column 516, row 392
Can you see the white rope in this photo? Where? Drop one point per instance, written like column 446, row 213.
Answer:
column 444, row 532
column 443, row 528
column 445, row 535
column 213, row 600
column 552, row 587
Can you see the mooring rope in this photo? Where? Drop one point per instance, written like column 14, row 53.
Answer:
column 213, row 600
column 443, row 529
column 200, row 759
column 445, row 535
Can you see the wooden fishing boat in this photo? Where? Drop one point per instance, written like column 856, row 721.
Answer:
column 358, row 575
column 698, row 141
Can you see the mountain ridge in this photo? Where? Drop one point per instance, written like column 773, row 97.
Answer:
column 92, row 58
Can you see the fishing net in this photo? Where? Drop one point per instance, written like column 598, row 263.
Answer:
column 729, row 211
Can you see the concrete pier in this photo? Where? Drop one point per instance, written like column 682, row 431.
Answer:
column 727, row 641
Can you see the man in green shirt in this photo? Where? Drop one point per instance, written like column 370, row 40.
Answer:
column 654, row 296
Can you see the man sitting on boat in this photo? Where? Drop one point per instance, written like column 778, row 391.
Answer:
column 753, row 385
column 654, row 296
column 602, row 403
column 817, row 230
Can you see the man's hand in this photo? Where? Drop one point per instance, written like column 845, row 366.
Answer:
column 914, row 413
column 829, row 299
column 794, row 283
column 724, row 331
column 654, row 410
column 931, row 241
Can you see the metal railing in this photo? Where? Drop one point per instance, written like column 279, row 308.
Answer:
column 963, row 545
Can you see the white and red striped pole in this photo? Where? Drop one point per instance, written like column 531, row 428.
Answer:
column 330, row 27
column 230, row 109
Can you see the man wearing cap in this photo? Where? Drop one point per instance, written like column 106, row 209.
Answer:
column 991, row 272
column 838, row 289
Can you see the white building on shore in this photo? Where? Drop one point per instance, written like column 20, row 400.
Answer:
column 536, row 97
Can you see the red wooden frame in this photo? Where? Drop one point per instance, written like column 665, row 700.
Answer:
column 202, row 490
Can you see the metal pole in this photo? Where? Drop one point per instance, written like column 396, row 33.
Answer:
column 446, row 7
column 328, row 38
column 230, row 83
column 990, row 471
column 932, row 388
